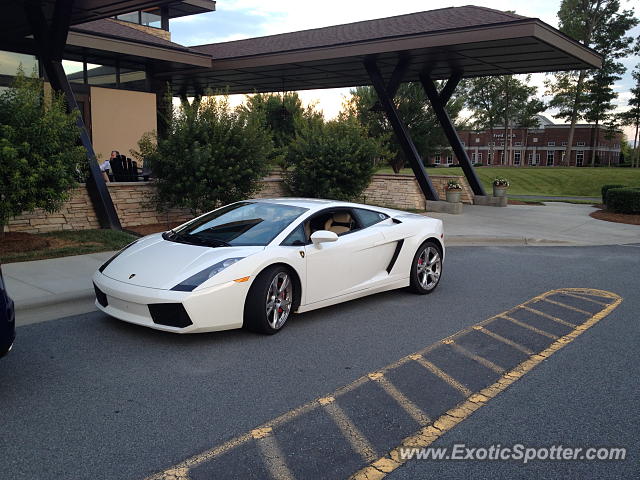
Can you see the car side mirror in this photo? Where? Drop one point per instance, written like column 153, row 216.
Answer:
column 322, row 236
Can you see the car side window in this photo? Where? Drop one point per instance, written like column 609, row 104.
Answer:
column 296, row 238
column 366, row 218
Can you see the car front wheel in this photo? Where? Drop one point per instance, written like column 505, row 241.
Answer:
column 269, row 301
column 426, row 268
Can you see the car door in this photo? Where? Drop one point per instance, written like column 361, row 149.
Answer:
column 356, row 261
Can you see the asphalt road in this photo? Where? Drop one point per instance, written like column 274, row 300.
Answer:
column 89, row 397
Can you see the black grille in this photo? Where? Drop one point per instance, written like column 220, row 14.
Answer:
column 100, row 296
column 170, row 314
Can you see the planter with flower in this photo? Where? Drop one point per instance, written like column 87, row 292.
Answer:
column 454, row 191
column 500, row 186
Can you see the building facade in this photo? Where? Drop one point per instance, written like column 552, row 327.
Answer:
column 543, row 146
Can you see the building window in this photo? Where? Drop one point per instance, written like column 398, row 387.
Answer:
column 436, row 159
column 579, row 144
column 564, row 144
column 449, row 159
column 502, row 157
column 550, row 158
column 535, row 139
column 517, row 155
column 489, row 158
column 537, row 159
column 492, row 144
column 477, row 139
column 579, row 158
column 462, row 143
column 149, row 18
column 551, row 144
column 480, row 157
column 518, row 144
column 10, row 62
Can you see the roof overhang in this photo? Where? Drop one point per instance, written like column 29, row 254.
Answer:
column 520, row 46
column 190, row 7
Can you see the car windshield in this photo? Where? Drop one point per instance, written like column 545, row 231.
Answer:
column 240, row 224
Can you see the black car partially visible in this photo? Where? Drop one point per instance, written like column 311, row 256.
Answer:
column 7, row 319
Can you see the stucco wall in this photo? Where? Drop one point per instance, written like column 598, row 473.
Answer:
column 119, row 118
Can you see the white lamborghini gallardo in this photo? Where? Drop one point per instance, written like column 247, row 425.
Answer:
column 254, row 263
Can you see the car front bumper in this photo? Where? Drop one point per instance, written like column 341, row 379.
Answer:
column 220, row 307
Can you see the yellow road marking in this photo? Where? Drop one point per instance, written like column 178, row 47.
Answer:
column 550, row 317
column 530, row 327
column 441, row 374
column 597, row 302
column 355, row 437
column 431, row 432
column 274, row 459
column 570, row 307
column 427, row 435
column 506, row 341
column 481, row 360
column 407, row 405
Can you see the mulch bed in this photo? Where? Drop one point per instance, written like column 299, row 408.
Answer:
column 607, row 216
column 153, row 228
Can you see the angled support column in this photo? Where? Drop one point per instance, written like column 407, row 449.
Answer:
column 385, row 95
column 50, row 41
column 438, row 102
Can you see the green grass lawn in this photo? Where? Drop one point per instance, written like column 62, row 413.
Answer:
column 555, row 181
column 65, row 243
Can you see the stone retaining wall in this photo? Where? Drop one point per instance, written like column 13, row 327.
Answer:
column 133, row 202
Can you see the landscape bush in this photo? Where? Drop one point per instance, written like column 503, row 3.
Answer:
column 624, row 200
column 607, row 187
column 332, row 160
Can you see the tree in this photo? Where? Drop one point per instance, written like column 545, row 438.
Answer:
column 332, row 160
column 506, row 99
column 632, row 115
column 598, row 24
column 212, row 155
column 415, row 111
column 282, row 116
column 40, row 158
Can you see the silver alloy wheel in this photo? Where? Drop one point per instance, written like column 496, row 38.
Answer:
column 279, row 299
column 429, row 267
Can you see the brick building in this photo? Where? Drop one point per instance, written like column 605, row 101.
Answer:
column 543, row 146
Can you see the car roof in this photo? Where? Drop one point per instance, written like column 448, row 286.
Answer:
column 310, row 203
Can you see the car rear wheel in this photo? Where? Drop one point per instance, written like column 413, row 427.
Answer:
column 426, row 268
column 269, row 301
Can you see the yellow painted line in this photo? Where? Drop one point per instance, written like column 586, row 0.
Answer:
column 506, row 341
column 564, row 305
column 180, row 471
column 355, row 437
column 427, row 435
column 442, row 375
column 530, row 327
column 273, row 458
column 481, row 360
column 407, row 405
column 549, row 317
column 597, row 302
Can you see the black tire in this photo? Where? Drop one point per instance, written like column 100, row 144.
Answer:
column 256, row 308
column 417, row 283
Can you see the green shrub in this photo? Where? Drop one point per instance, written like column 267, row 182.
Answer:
column 332, row 160
column 211, row 156
column 607, row 187
column 624, row 200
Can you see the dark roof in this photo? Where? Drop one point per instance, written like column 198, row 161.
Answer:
column 111, row 28
column 402, row 25
column 474, row 41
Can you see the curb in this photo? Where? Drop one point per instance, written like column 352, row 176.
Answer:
column 69, row 297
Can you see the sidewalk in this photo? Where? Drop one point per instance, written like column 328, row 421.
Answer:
column 59, row 287
column 45, row 289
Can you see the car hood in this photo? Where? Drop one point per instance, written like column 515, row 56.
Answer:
column 157, row 263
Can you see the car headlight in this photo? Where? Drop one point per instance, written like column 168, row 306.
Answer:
column 106, row 264
column 199, row 278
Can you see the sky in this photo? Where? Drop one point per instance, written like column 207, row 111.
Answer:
column 238, row 19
